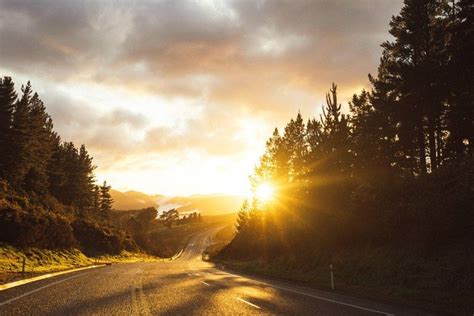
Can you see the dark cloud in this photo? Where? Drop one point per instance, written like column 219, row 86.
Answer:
column 301, row 41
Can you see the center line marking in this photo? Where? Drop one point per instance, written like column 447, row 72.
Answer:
column 247, row 302
column 205, row 283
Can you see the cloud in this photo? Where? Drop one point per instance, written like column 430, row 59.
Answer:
column 169, row 78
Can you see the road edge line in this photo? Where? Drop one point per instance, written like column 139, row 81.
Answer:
column 10, row 285
column 284, row 288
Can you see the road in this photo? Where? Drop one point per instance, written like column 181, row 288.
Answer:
column 185, row 286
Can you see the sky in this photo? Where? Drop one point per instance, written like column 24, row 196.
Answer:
column 179, row 97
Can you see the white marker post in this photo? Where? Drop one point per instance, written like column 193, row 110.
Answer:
column 332, row 276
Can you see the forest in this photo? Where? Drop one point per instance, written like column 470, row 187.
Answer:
column 48, row 195
column 385, row 191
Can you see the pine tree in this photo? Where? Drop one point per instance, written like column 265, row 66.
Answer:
column 20, row 161
column 7, row 102
column 85, row 179
column 370, row 145
column 411, row 71
column 97, row 199
column 273, row 166
column 40, row 147
column 106, row 200
column 335, row 133
column 56, row 172
column 243, row 217
column 460, row 79
column 296, row 147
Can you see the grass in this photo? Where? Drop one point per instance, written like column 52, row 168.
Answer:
column 41, row 261
column 401, row 278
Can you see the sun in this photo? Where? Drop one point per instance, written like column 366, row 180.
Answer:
column 264, row 192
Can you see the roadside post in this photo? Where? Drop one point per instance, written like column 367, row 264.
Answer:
column 23, row 266
column 332, row 276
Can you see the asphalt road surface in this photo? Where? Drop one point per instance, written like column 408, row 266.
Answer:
column 185, row 286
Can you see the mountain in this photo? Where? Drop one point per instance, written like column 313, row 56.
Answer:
column 133, row 200
column 212, row 204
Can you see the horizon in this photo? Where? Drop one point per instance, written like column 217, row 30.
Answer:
column 155, row 89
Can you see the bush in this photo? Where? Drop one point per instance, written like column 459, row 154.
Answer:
column 31, row 221
column 34, row 227
column 95, row 239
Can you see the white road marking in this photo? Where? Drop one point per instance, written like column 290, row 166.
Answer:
column 247, row 302
column 205, row 283
column 44, row 276
column 313, row 296
column 39, row 289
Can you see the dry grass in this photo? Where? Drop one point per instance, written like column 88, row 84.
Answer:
column 41, row 261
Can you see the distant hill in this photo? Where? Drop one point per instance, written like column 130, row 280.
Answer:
column 133, row 200
column 212, row 204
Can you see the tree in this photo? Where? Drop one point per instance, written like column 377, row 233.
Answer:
column 20, row 160
column 169, row 217
column 370, row 140
column 296, row 147
column 41, row 141
column 85, row 180
column 411, row 73
column 242, row 217
column 106, row 200
column 97, row 199
column 335, row 134
column 7, row 102
column 460, row 112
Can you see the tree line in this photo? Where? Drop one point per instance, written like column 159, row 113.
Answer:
column 397, row 168
column 35, row 161
column 48, row 193
column 172, row 216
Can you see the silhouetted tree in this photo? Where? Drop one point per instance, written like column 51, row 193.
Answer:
column 169, row 217
column 460, row 80
column 242, row 217
column 7, row 102
column 20, row 162
column 39, row 148
column 97, row 199
column 106, row 200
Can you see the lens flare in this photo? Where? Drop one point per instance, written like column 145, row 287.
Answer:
column 264, row 192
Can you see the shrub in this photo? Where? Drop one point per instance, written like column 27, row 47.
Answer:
column 34, row 227
column 95, row 239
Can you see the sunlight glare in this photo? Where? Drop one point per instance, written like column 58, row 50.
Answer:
column 264, row 192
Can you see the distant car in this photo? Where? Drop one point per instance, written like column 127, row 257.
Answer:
column 205, row 256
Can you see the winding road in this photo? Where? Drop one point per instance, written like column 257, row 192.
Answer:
column 184, row 286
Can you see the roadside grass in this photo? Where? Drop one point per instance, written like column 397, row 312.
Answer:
column 126, row 257
column 401, row 278
column 41, row 261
